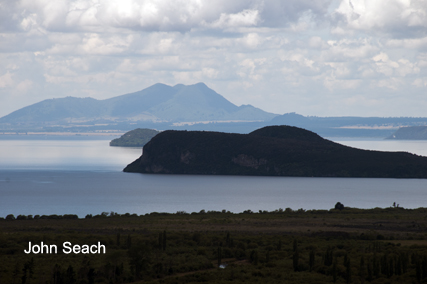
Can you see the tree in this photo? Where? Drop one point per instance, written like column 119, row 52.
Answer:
column 362, row 273
column 311, row 259
column 254, row 257
column 140, row 259
column 70, row 275
column 57, row 276
column 334, row 271
column 160, row 245
column 347, row 265
column 219, row 256
column 164, row 240
column 129, row 242
column 295, row 257
column 91, row 276
column 10, row 217
column 329, row 254
column 339, row 206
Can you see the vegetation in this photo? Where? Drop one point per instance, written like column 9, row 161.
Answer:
column 272, row 150
column 135, row 138
column 345, row 245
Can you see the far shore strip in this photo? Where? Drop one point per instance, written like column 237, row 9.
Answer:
column 65, row 133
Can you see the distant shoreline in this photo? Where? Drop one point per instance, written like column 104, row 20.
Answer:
column 65, row 133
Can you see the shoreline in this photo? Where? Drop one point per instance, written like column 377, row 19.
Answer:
column 280, row 211
column 62, row 133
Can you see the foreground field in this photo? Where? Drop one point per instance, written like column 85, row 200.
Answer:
column 285, row 246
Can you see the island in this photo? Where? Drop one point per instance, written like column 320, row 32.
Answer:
column 270, row 151
column 410, row 133
column 135, row 138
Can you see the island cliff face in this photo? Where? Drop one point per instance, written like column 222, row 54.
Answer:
column 270, row 151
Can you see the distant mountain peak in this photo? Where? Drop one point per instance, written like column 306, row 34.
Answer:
column 178, row 86
column 201, row 84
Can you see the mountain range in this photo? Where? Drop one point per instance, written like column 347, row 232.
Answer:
column 158, row 103
column 183, row 107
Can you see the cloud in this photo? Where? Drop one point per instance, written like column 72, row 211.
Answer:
column 159, row 15
column 408, row 43
column 6, row 80
column 308, row 56
column 420, row 82
column 390, row 68
column 9, row 16
column 399, row 18
column 24, row 86
column 241, row 19
column 280, row 13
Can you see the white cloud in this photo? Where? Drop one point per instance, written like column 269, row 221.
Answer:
column 350, row 49
column 390, row 68
column 210, row 73
column 422, row 60
column 251, row 40
column 389, row 83
column 333, row 84
column 249, row 67
column 95, row 44
column 309, row 56
column 397, row 17
column 6, row 80
column 406, row 67
column 408, row 43
column 24, row 86
column 420, row 82
column 241, row 19
column 161, row 15
column 385, row 65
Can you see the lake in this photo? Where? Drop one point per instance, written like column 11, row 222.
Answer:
column 51, row 175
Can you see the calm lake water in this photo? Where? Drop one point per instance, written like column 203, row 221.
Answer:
column 83, row 176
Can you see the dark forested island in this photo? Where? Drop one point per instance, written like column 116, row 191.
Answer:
column 135, row 138
column 270, row 151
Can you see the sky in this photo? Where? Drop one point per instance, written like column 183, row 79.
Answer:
column 312, row 57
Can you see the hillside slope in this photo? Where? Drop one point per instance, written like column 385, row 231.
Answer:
column 272, row 150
